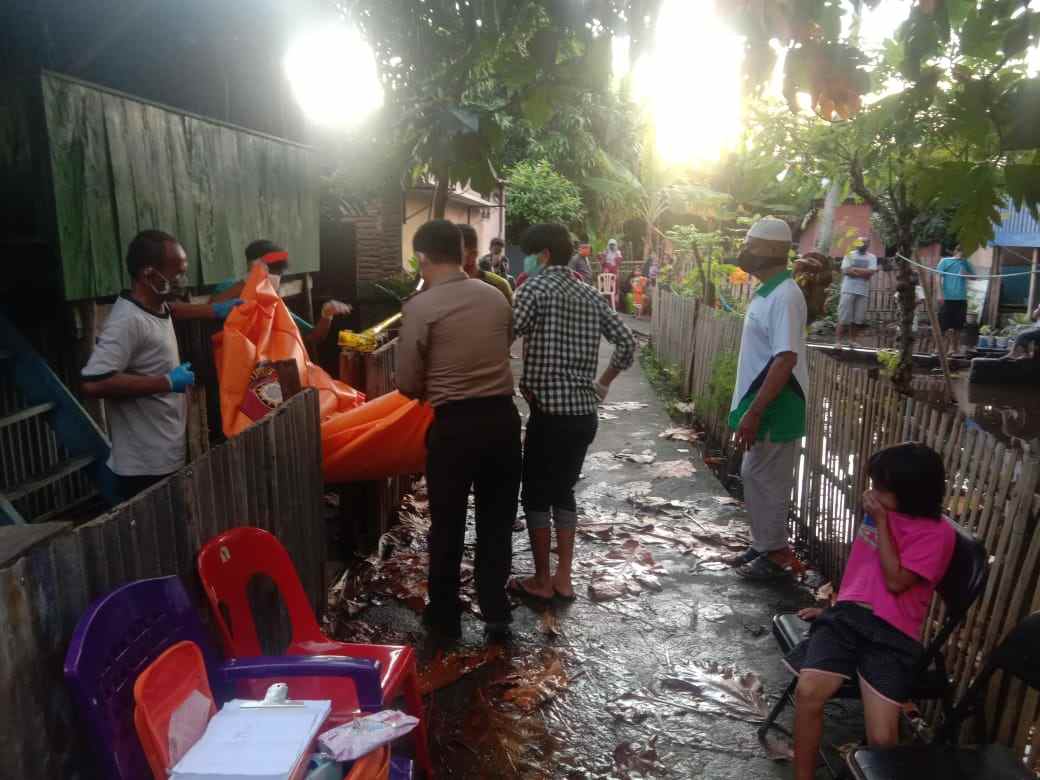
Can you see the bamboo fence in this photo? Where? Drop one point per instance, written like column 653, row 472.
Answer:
column 991, row 489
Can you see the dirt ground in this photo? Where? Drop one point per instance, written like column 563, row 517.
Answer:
column 662, row 666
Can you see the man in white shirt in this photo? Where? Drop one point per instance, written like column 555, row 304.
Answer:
column 768, row 408
column 136, row 367
column 857, row 268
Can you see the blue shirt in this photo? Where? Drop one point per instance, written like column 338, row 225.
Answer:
column 954, row 285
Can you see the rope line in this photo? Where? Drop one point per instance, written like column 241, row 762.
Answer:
column 966, row 276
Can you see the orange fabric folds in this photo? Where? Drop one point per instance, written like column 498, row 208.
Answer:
column 360, row 441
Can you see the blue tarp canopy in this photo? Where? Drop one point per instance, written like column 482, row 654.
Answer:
column 1017, row 228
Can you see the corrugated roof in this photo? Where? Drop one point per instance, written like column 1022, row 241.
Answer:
column 1017, row 228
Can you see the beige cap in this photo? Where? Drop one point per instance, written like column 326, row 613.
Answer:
column 769, row 237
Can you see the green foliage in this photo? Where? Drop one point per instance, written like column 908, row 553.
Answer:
column 958, row 138
column 719, row 394
column 889, row 361
column 537, row 193
column 455, row 73
column 663, row 378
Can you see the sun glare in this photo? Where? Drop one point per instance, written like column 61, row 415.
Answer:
column 692, row 83
column 333, row 75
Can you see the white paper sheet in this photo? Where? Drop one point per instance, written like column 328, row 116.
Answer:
column 253, row 744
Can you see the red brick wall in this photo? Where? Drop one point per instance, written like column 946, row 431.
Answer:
column 850, row 216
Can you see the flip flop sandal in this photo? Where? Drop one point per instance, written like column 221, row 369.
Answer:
column 744, row 558
column 516, row 588
column 568, row 599
column 762, row 569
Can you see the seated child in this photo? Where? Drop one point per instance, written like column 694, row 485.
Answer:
column 901, row 552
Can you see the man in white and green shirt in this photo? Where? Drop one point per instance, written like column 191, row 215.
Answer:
column 768, row 409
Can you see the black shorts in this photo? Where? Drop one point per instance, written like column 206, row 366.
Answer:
column 849, row 640
column 953, row 315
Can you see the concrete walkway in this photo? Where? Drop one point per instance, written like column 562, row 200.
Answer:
column 660, row 683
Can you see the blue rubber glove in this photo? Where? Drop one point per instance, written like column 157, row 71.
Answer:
column 223, row 309
column 181, row 378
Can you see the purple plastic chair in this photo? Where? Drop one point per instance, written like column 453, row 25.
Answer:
column 121, row 633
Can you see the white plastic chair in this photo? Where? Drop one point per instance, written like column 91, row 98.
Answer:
column 607, row 286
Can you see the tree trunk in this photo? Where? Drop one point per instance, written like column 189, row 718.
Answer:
column 440, row 195
column 825, row 234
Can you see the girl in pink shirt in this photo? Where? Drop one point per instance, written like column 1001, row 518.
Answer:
column 901, row 552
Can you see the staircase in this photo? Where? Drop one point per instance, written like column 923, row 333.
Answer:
column 52, row 453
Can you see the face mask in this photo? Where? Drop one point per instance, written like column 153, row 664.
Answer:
column 531, row 265
column 170, row 288
column 752, row 263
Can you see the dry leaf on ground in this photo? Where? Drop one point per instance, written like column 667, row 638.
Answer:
column 681, row 433
column 447, row 668
column 646, row 456
column 507, row 743
column 719, row 689
column 536, row 680
column 672, row 469
column 630, row 569
column 602, row 461
column 636, row 760
column 624, row 406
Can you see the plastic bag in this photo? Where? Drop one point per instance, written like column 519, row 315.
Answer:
column 360, row 441
column 363, row 735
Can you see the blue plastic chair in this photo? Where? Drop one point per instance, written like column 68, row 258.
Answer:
column 124, row 631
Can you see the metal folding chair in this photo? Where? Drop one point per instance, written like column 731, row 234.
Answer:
column 1018, row 656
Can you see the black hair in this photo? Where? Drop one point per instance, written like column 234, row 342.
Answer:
column 440, row 240
column 148, row 248
column 915, row 474
column 263, row 246
column 469, row 235
column 551, row 236
column 496, row 241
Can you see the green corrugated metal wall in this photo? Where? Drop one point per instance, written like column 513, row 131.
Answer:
column 120, row 165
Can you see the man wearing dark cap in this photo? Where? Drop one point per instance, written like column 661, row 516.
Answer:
column 454, row 353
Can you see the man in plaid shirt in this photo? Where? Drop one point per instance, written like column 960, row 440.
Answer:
column 561, row 321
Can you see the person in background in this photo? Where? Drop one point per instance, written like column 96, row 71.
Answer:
column 580, row 261
column 954, row 271
column 857, row 269
column 454, row 353
column 768, row 408
column 610, row 260
column 1027, row 343
column 473, row 270
column 495, row 260
column 562, row 321
column 277, row 261
column 136, row 367
column 873, row 633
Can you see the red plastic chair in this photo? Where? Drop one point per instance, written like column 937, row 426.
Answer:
column 226, row 565
column 163, row 686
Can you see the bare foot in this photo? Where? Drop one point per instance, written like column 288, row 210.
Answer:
column 531, row 587
column 563, row 587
